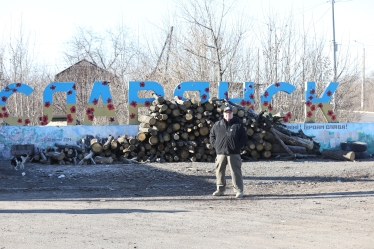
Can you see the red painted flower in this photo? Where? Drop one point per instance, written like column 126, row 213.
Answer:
column 40, row 118
column 141, row 84
column 308, row 103
column 3, row 109
column 266, row 103
column 243, row 102
column 69, row 92
column 207, row 89
column 320, row 105
column 4, row 98
column 248, row 103
column 74, row 87
column 289, row 115
column 43, row 123
column 18, row 84
column 330, row 112
column 73, row 109
column 333, row 117
column 285, row 119
column 27, row 121
column 95, row 101
column 310, row 97
column 270, row 108
column 277, row 84
column 111, row 119
column 91, row 117
column 104, row 83
column 329, row 93
column 110, row 107
column 251, row 96
column 204, row 96
column 312, row 108
column 47, row 104
column 132, row 115
column 133, row 103
column 53, row 87
column 226, row 94
column 309, row 114
column 6, row 114
column 14, row 90
column 312, row 91
column 250, row 86
column 45, row 118
column 7, row 89
column 1, row 115
column 147, row 103
column 252, row 107
column 90, row 111
column 69, row 118
column 19, row 120
column 109, row 100
column 266, row 94
column 180, row 97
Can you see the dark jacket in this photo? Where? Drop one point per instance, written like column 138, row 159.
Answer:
column 228, row 138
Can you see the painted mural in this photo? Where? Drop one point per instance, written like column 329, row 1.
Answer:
column 330, row 135
column 44, row 136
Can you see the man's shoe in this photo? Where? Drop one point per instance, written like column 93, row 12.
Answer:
column 239, row 195
column 218, row 193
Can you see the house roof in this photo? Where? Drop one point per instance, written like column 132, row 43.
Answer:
column 83, row 62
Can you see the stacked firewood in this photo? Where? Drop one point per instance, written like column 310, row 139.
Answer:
column 178, row 131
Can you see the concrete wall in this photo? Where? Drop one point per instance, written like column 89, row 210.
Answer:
column 329, row 135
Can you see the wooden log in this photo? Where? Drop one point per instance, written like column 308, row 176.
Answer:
column 147, row 119
column 141, row 136
column 58, row 156
column 268, row 146
column 158, row 98
column 277, row 148
column 87, row 157
column 266, row 154
column 95, row 146
column 114, row 145
column 203, row 131
column 122, row 139
column 106, row 145
column 342, row 155
column 186, row 103
column 250, row 131
column 153, row 140
column 103, row 160
column 69, row 146
column 175, row 113
column 144, row 125
column 161, row 125
column 281, row 142
column 293, row 140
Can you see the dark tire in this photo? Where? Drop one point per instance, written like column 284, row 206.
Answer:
column 361, row 155
column 354, row 146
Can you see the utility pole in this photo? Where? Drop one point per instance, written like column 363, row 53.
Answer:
column 333, row 41
column 363, row 76
column 2, row 78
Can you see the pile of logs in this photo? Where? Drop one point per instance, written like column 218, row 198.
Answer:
column 178, row 131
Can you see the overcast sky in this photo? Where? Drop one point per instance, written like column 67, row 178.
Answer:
column 53, row 22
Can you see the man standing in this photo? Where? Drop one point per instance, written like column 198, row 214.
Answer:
column 228, row 136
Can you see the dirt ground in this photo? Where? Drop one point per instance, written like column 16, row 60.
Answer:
column 287, row 204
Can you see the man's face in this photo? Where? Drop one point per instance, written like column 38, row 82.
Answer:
column 227, row 115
